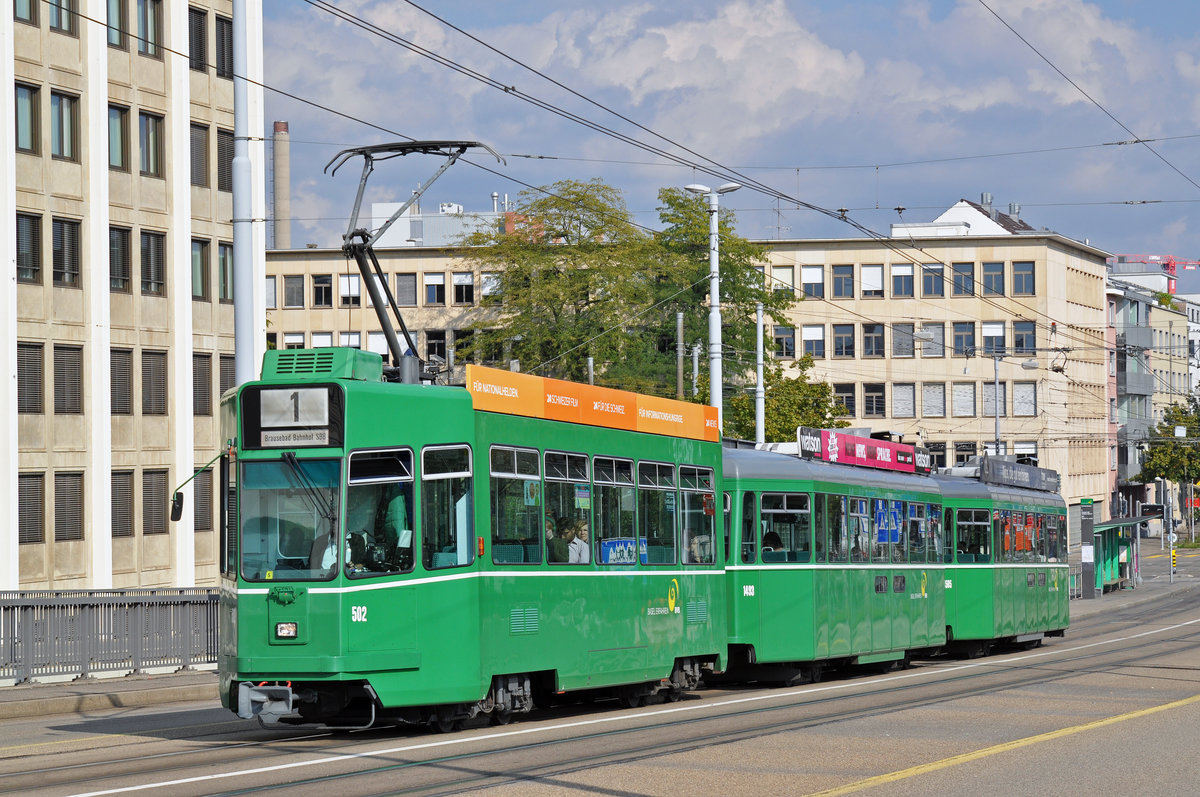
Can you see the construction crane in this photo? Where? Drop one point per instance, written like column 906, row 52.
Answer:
column 1168, row 263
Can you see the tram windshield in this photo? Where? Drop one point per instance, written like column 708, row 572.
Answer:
column 289, row 512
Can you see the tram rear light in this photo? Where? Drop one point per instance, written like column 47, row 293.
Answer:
column 480, row 545
column 285, row 630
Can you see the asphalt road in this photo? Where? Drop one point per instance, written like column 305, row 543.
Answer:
column 1110, row 709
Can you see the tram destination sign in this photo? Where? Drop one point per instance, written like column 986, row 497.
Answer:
column 292, row 416
column 1014, row 474
column 831, row 445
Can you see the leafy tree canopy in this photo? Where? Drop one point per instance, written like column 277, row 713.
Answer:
column 1170, row 457
column 789, row 400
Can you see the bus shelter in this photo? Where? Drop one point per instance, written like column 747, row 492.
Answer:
column 1116, row 552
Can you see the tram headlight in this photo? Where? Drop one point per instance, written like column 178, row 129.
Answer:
column 286, row 630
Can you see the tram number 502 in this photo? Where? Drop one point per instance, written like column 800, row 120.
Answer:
column 358, row 614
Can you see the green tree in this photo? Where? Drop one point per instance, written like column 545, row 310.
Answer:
column 576, row 279
column 789, row 400
column 1173, row 458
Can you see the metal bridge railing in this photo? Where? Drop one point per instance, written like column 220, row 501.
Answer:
column 84, row 632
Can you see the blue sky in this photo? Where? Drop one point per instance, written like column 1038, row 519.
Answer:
column 865, row 105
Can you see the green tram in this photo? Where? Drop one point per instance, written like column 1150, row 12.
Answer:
column 1008, row 581
column 831, row 564
column 430, row 554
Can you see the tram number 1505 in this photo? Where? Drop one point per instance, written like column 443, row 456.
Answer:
column 358, row 614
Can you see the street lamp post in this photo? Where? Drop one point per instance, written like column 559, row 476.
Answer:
column 714, row 293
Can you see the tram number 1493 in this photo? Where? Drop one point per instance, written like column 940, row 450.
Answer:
column 358, row 614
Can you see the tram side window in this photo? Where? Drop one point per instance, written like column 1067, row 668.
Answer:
column 616, row 496
column 697, row 514
column 569, row 503
column 446, row 532
column 837, row 531
column 728, row 504
column 656, row 513
column 787, row 527
column 1037, row 553
column 937, row 551
column 974, row 535
column 749, row 528
column 517, row 522
column 859, row 529
column 916, row 534
column 379, row 507
column 1055, row 537
column 889, row 541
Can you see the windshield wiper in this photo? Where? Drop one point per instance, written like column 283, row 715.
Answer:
column 311, row 491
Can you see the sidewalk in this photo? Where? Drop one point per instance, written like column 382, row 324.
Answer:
column 81, row 697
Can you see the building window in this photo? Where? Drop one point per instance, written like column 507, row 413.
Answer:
column 489, row 288
column 68, row 507
column 406, row 290
column 464, row 288
column 964, row 338
column 322, row 290
column 350, row 290
column 964, row 452
column 224, row 160
column 904, row 400
column 874, row 401
column 962, row 400
column 1024, row 337
column 933, row 399
column 843, row 340
column 122, row 504
column 150, row 134
column 26, row 11
column 118, row 138
column 843, row 397
column 66, row 253
column 121, row 381
column 902, row 280
column 783, row 278
column 872, row 340
column 201, row 270
column 31, row 508
column 153, row 265
column 1025, row 399
column 435, row 289
column 989, row 399
column 202, row 384
column 812, row 278
column 964, row 279
column 203, row 490
column 62, row 15
column 293, row 291
column 903, row 344
column 932, row 282
column 293, row 340
column 228, row 374
column 872, row 281
column 118, row 28
column 843, row 282
column 154, row 502
column 350, row 340
column 377, row 342
column 154, row 383
column 68, row 380
column 435, row 344
column 785, row 342
column 1022, row 278
column 814, row 340
column 28, row 128
column 937, row 451
column 271, row 300
column 30, row 379
column 322, row 340
column 199, row 155
column 197, row 39
column 29, row 248
column 149, row 27
column 935, row 346
column 993, row 279
column 224, row 53
column 993, row 337
column 64, row 126
column 225, row 272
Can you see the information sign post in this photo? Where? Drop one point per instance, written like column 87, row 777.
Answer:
column 1087, row 539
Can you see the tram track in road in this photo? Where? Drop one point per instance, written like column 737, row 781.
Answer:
column 748, row 717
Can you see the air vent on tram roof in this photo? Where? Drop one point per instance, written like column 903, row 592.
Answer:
column 334, row 363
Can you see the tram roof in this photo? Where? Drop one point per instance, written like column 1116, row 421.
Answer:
column 744, row 463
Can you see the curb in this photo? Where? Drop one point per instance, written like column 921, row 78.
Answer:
column 82, row 702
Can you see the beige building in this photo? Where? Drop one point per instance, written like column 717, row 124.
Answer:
column 913, row 332
column 119, row 316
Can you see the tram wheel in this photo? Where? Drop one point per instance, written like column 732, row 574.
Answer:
column 501, row 717
column 629, row 696
column 443, row 724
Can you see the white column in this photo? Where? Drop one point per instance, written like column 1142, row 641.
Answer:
column 9, row 547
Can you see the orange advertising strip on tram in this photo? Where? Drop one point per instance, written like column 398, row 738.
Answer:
column 494, row 390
